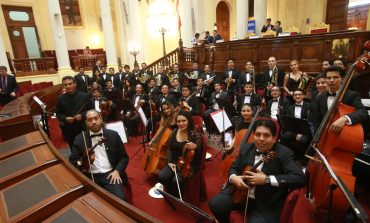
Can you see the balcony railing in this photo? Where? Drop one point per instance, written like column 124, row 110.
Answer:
column 34, row 66
column 87, row 61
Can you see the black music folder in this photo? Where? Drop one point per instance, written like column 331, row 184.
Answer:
column 296, row 125
column 187, row 209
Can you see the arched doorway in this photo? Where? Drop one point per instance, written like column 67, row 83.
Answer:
column 223, row 20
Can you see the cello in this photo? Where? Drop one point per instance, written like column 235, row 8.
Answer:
column 340, row 150
column 243, row 136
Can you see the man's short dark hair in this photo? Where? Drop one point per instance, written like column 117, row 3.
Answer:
column 265, row 122
column 197, row 34
column 68, row 78
column 207, row 32
column 269, row 19
column 126, row 66
column 278, row 22
column 3, row 68
column 248, row 83
column 335, row 69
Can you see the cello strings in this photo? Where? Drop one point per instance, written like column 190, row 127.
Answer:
column 178, row 186
column 88, row 157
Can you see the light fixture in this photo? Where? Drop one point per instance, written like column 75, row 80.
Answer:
column 134, row 51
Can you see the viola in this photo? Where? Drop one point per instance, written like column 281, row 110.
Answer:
column 241, row 137
column 340, row 149
column 184, row 161
column 240, row 196
column 88, row 156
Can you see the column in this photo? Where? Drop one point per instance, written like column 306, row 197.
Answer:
column 110, row 47
column 60, row 43
column 187, row 23
column 260, row 13
column 3, row 58
column 135, row 33
column 241, row 18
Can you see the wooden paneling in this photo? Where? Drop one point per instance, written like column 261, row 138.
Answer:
column 223, row 20
column 336, row 14
column 357, row 17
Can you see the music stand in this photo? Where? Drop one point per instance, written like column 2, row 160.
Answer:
column 358, row 210
column 44, row 115
column 186, row 208
column 125, row 104
column 296, row 125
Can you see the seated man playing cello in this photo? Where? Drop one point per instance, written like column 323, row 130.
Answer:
column 108, row 160
column 268, row 186
column 183, row 155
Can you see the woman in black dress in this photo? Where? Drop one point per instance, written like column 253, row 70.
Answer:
column 293, row 79
column 183, row 139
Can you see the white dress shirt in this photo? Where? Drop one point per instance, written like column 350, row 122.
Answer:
column 298, row 110
column 101, row 163
column 274, row 109
column 247, row 99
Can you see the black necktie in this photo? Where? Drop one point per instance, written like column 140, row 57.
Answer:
column 331, row 94
column 96, row 135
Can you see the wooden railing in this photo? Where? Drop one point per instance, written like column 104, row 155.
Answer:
column 87, row 61
column 167, row 61
column 34, row 66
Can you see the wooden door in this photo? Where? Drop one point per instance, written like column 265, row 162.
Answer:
column 336, row 14
column 223, row 20
column 19, row 20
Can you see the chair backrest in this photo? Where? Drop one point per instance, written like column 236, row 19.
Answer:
column 202, row 109
column 198, row 121
column 204, row 152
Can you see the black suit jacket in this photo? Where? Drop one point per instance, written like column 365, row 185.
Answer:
column 118, row 80
column 267, row 78
column 170, row 97
column 319, row 107
column 255, row 100
column 270, row 199
column 81, row 84
column 224, row 95
column 11, row 84
column 145, row 106
column 114, row 147
column 235, row 76
column 104, row 78
column 283, row 107
column 243, row 79
column 264, row 28
column 304, row 110
column 95, row 68
column 164, row 79
column 194, row 103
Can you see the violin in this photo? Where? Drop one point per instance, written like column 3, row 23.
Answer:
column 182, row 101
column 88, row 156
column 240, row 196
column 184, row 161
column 104, row 108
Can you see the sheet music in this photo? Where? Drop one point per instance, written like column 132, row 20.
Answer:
column 218, row 117
column 143, row 117
column 119, row 128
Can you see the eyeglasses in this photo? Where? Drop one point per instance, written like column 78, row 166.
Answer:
column 333, row 78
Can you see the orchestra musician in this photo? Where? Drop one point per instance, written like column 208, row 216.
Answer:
column 176, row 73
column 273, row 75
column 334, row 77
column 277, row 104
column 203, row 93
column 161, row 77
column 218, row 93
column 101, row 104
column 70, row 110
column 188, row 101
column 96, row 69
column 321, row 86
column 110, row 160
column 249, row 97
column 83, row 81
column 104, row 76
column 194, row 74
column 293, row 80
column 208, row 77
column 247, row 76
column 153, row 90
column 268, row 186
column 231, row 76
column 184, row 139
column 175, row 88
column 119, row 78
column 165, row 96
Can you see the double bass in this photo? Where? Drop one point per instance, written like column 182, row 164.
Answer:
column 243, row 136
column 339, row 149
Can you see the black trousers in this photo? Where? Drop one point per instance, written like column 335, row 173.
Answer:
column 102, row 180
column 168, row 179
column 221, row 205
column 151, row 122
column 70, row 131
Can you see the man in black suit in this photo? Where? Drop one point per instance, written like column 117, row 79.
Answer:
column 208, row 37
column 119, row 78
column 218, row 93
column 111, row 159
column 189, row 101
column 334, row 77
column 161, row 77
column 104, row 76
column 272, row 76
column 8, row 86
column 246, row 76
column 153, row 90
column 249, row 97
column 176, row 73
column 231, row 76
column 216, row 36
column 96, row 67
column 194, row 74
column 292, row 140
column 165, row 96
column 70, row 110
column 208, row 77
column 278, row 104
column 203, row 93
column 83, row 81
column 267, row 26
column 268, row 186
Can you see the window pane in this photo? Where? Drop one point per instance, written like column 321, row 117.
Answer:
column 32, row 43
column 19, row 16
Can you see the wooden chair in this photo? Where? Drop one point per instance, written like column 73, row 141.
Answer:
column 319, row 28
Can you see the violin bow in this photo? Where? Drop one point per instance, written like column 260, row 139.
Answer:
column 178, row 186
column 88, row 158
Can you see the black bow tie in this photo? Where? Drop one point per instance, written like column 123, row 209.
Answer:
column 138, row 95
column 248, row 95
column 298, row 105
column 274, row 100
column 96, row 135
column 332, row 94
column 258, row 153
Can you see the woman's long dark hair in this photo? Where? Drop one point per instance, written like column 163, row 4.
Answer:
column 240, row 120
column 188, row 116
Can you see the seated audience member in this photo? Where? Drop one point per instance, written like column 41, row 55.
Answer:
column 268, row 186
column 8, row 87
column 218, row 93
column 216, row 36
column 208, row 37
column 297, row 142
column 83, row 81
column 108, row 167
column 334, row 77
column 188, row 101
column 267, row 26
column 249, row 97
column 184, row 137
column 277, row 104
